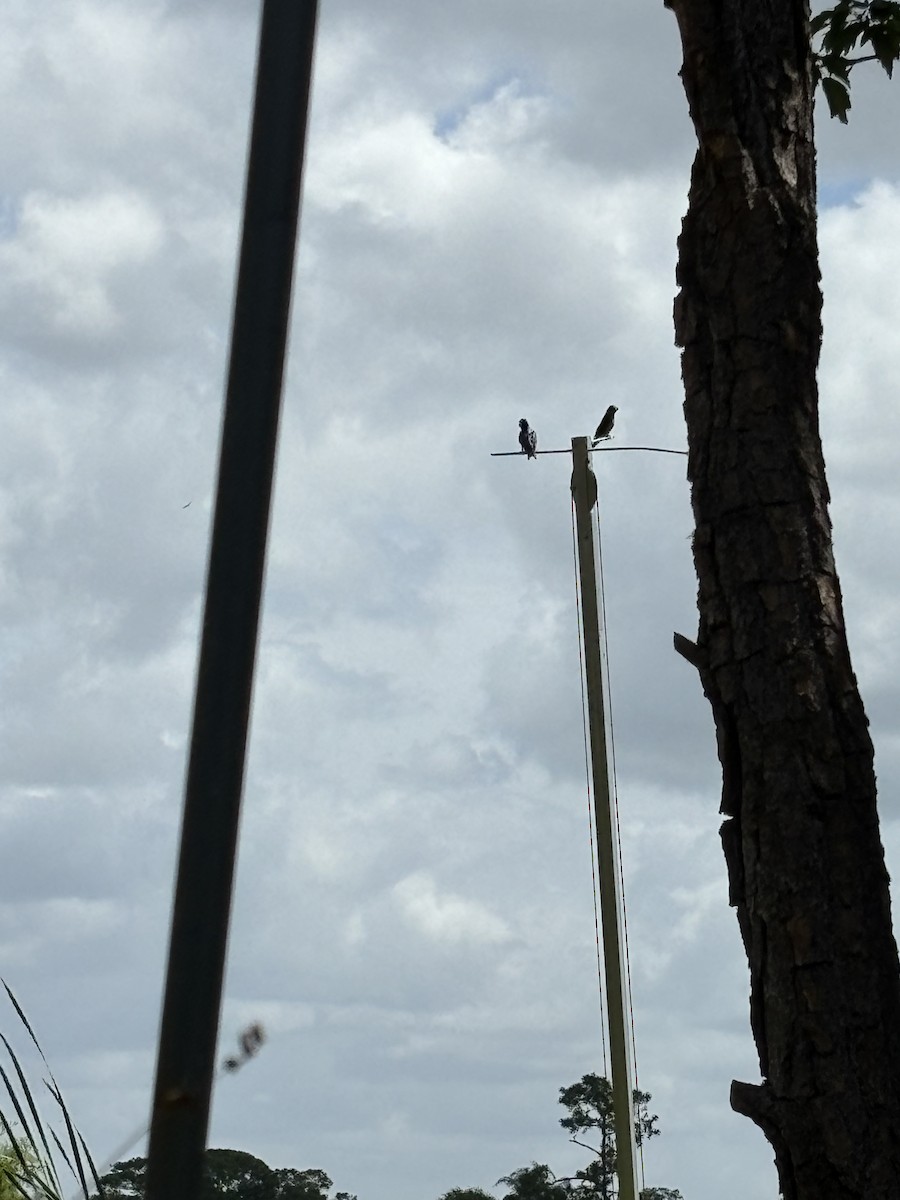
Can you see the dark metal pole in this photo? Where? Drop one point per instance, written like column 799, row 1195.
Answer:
column 201, row 910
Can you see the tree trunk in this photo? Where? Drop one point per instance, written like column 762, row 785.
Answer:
column 805, row 861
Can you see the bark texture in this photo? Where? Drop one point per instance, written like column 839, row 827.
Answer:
column 801, row 838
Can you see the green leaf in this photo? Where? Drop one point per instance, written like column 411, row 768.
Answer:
column 885, row 47
column 838, row 96
column 840, row 39
column 835, row 64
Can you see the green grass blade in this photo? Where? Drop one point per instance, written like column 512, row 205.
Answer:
column 73, row 1140
column 24, row 1020
column 28, row 1172
column 79, row 1150
column 34, row 1181
column 20, row 1115
column 47, row 1158
column 98, row 1182
column 15, row 1182
column 13, row 1140
column 61, row 1148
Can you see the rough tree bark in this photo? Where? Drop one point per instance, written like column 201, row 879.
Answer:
column 804, row 855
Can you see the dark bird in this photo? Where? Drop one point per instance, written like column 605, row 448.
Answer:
column 527, row 439
column 604, row 429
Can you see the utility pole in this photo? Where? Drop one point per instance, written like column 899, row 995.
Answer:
column 584, row 492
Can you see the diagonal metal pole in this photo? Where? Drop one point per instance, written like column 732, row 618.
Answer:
column 202, row 904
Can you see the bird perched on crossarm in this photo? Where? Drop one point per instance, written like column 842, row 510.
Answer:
column 527, row 439
column 604, row 429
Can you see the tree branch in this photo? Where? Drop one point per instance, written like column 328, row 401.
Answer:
column 585, row 1146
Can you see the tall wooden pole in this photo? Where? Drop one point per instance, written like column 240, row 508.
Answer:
column 201, row 910
column 584, row 492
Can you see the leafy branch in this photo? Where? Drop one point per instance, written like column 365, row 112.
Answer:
column 848, row 26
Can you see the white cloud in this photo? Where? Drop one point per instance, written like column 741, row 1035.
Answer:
column 446, row 917
column 62, row 264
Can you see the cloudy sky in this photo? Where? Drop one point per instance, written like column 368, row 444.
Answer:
column 493, row 194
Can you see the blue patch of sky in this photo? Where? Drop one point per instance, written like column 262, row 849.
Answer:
column 9, row 216
column 448, row 120
column 840, row 193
